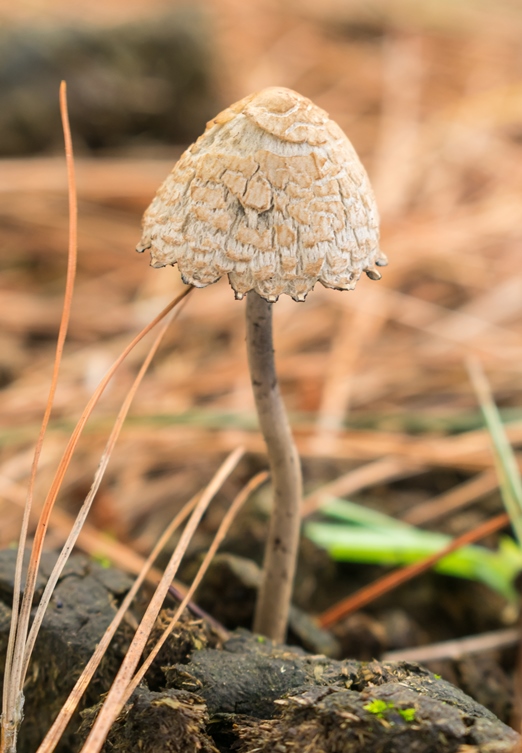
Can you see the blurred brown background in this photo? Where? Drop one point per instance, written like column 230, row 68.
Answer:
column 431, row 96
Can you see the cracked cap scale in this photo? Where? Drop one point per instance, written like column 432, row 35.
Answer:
column 272, row 195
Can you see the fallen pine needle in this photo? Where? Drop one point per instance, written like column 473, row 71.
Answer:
column 455, row 499
column 231, row 513
column 60, row 723
column 115, row 697
column 66, row 712
column 396, row 578
column 385, row 469
column 12, row 702
column 84, row 510
column 455, row 649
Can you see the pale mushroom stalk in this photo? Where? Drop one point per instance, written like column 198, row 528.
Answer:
column 273, row 604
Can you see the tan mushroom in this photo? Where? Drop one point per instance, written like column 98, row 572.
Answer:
column 274, row 196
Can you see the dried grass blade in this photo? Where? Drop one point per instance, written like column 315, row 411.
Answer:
column 114, row 701
column 12, row 687
column 84, row 511
column 64, row 464
column 505, row 460
column 254, row 483
column 375, row 472
column 457, row 648
column 55, row 488
column 66, row 712
column 455, row 499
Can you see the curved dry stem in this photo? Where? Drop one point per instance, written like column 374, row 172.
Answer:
column 240, row 499
column 115, row 697
column 55, row 732
column 85, row 508
column 12, row 701
column 25, row 611
column 52, row 738
column 273, row 602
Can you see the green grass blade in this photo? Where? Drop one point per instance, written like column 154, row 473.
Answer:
column 349, row 543
column 505, row 459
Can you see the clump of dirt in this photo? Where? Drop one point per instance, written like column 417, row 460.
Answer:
column 244, row 694
column 131, row 85
column 83, row 604
column 277, row 697
column 189, row 635
column 172, row 721
column 391, row 718
column 253, row 695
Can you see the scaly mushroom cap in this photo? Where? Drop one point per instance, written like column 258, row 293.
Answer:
column 273, row 195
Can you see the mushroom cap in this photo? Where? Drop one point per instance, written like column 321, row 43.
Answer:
column 272, row 195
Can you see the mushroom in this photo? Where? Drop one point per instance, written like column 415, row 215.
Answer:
column 274, row 196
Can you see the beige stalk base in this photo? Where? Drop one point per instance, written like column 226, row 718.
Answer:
column 273, row 604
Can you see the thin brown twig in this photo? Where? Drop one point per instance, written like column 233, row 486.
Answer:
column 20, row 645
column 13, row 673
column 454, row 649
column 91, row 540
column 66, row 712
column 84, row 511
column 357, row 330
column 376, row 472
column 222, row 531
column 56, row 485
column 53, row 735
column 454, row 499
column 396, row 578
column 114, row 700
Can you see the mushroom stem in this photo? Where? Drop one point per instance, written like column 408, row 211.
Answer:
column 273, row 604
